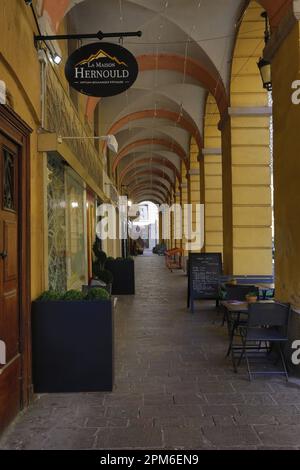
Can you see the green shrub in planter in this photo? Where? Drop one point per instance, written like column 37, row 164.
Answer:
column 97, row 294
column 71, row 295
column 51, row 295
column 72, row 342
column 103, row 275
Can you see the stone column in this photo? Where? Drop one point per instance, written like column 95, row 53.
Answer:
column 196, row 188
column 212, row 161
column 184, row 200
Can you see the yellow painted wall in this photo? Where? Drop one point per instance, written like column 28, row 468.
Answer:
column 227, row 198
column 177, row 199
column 185, row 197
column 20, row 69
column 250, row 154
column 195, row 191
column 286, row 69
column 213, row 179
column 172, row 226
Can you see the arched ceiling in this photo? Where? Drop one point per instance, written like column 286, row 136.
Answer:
column 152, row 197
column 156, row 160
column 139, row 189
column 149, row 145
column 148, row 173
column 152, row 183
column 184, row 54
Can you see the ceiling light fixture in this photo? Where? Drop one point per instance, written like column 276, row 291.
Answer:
column 56, row 59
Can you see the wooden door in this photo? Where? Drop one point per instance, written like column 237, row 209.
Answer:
column 10, row 325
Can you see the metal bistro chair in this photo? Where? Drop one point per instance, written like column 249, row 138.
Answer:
column 268, row 324
column 236, row 292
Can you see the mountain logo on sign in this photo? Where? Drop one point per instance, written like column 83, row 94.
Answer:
column 101, row 55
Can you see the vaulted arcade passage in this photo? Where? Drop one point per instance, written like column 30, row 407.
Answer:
column 198, row 128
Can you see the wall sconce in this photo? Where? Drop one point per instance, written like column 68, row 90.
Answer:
column 265, row 73
column 263, row 64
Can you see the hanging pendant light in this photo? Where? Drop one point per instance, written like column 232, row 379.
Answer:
column 265, row 73
column 263, row 64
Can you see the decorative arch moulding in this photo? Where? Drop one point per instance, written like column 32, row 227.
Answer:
column 172, row 116
column 56, row 10
column 143, row 178
column 144, row 195
column 144, row 161
column 154, row 171
column 136, row 190
column 169, row 145
column 179, row 64
column 140, row 187
column 277, row 10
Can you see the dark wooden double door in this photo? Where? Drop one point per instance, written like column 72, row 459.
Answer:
column 10, row 317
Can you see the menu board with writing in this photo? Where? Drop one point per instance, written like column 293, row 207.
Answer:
column 205, row 270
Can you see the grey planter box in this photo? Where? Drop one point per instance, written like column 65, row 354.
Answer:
column 124, row 277
column 72, row 346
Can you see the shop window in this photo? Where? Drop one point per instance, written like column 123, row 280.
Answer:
column 76, row 231
column 67, row 240
column 56, row 215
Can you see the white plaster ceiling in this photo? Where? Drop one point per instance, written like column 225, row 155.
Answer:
column 168, row 156
column 149, row 152
column 177, row 135
column 203, row 30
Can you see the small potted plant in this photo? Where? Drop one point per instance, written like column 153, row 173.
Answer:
column 251, row 297
column 72, row 341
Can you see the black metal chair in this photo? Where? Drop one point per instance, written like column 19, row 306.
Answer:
column 267, row 324
column 239, row 291
column 236, row 292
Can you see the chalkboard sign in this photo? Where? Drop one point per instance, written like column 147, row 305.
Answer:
column 204, row 273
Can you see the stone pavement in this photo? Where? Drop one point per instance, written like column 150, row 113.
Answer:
column 174, row 387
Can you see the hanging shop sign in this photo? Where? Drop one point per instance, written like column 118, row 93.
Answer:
column 101, row 69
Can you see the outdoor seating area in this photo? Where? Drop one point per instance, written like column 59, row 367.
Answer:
column 256, row 329
column 257, row 323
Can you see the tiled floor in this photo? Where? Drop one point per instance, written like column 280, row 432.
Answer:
column 174, row 387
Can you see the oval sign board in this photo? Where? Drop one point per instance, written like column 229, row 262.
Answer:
column 101, row 69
